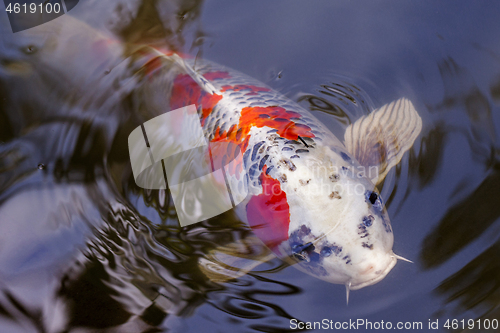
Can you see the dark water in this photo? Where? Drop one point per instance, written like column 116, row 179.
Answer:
column 82, row 249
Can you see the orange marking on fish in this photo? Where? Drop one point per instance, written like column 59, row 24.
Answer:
column 272, row 116
column 275, row 117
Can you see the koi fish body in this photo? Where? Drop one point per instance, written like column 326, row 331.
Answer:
column 313, row 200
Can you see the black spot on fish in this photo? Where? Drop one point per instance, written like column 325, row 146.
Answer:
column 263, row 161
column 295, row 156
column 282, row 178
column 334, row 177
column 245, row 155
column 269, row 169
column 287, row 149
column 329, row 249
column 297, row 248
column 272, row 131
column 281, row 119
column 362, row 230
column 345, row 157
column 304, row 182
column 314, row 256
column 289, row 164
column 326, row 251
column 253, row 170
column 387, row 226
column 264, row 115
column 302, row 252
column 334, row 194
column 375, row 200
column 297, row 237
column 299, row 151
column 336, row 249
column 291, row 142
column 304, row 230
column 373, row 197
column 368, row 246
column 247, row 180
column 255, row 149
column 223, row 127
column 368, row 220
column 272, row 137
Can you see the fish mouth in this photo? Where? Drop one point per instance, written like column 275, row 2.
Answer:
column 376, row 279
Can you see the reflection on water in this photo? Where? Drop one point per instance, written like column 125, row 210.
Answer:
column 81, row 246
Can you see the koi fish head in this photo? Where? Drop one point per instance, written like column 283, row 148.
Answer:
column 339, row 230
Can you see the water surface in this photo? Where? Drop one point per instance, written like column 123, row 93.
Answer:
column 83, row 249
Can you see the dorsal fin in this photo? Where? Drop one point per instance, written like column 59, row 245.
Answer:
column 381, row 138
column 197, row 77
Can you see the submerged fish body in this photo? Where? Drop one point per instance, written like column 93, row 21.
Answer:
column 310, row 201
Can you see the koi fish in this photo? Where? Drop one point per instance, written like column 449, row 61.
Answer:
column 311, row 201
column 312, row 198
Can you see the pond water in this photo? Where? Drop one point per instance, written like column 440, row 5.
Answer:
column 83, row 249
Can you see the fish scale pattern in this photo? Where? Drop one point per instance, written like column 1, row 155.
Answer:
column 266, row 145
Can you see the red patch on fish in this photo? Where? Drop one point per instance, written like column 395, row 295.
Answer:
column 253, row 89
column 186, row 92
column 269, row 213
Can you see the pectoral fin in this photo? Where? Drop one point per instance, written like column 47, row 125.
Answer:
column 235, row 259
column 379, row 140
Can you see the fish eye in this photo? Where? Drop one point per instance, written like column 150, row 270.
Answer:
column 373, row 197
